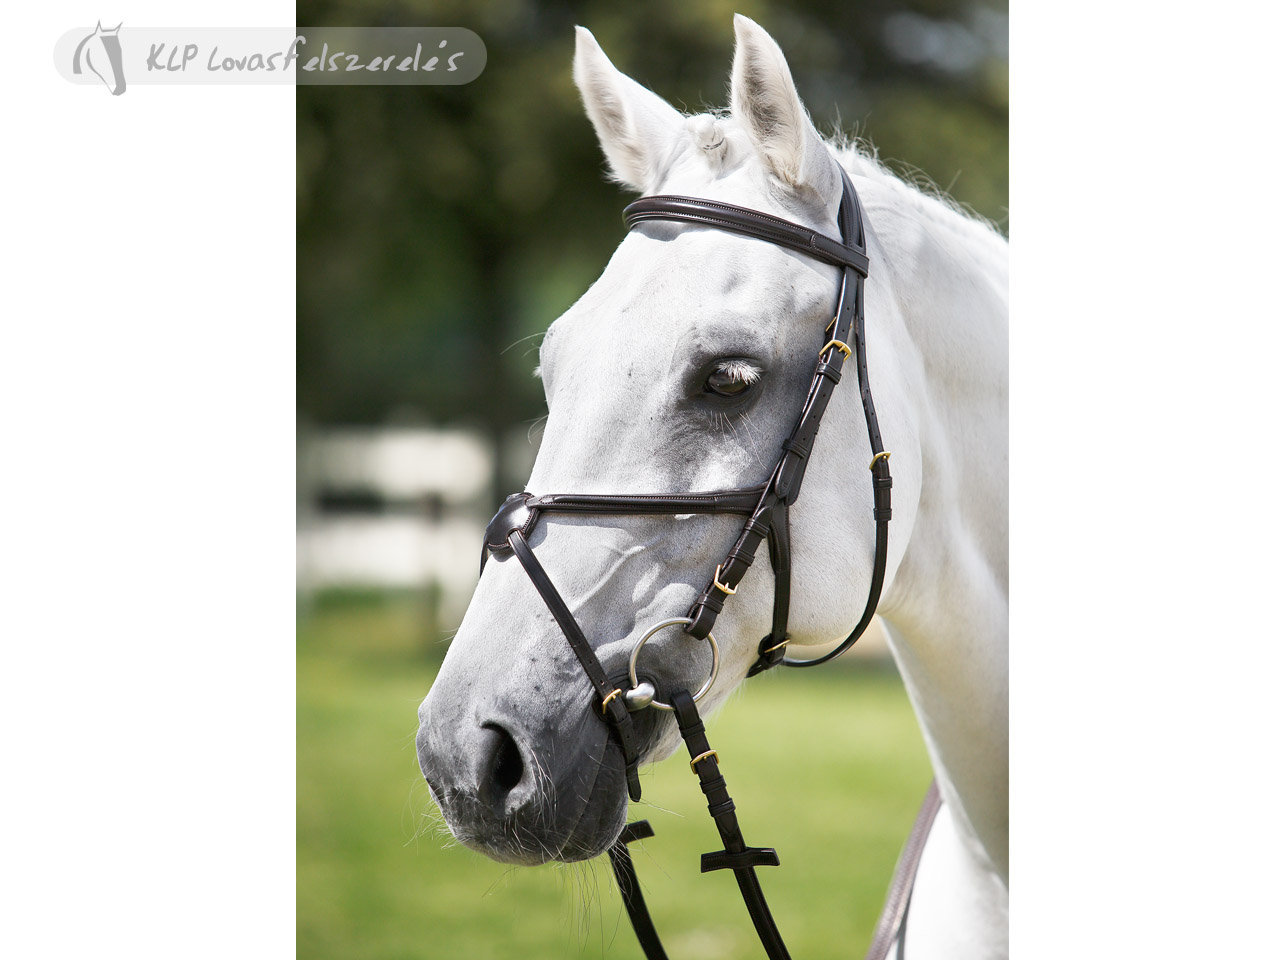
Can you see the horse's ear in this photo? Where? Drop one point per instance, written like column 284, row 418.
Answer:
column 636, row 127
column 763, row 97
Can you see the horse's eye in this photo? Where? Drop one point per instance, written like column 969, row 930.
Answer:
column 732, row 378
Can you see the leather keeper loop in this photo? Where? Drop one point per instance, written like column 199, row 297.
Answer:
column 770, row 652
column 713, row 783
column 724, row 806
column 829, row 369
column 703, row 620
column 789, row 479
column 799, row 447
column 712, row 600
column 616, row 711
column 883, row 495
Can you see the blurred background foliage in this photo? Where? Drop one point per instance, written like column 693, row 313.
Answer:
column 439, row 226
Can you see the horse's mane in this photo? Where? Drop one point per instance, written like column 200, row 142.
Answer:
column 859, row 155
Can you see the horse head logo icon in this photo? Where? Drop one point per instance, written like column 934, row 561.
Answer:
column 99, row 52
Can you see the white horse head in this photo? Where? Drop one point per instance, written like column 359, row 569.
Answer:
column 99, row 52
column 682, row 369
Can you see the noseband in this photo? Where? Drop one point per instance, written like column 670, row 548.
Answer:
column 765, row 508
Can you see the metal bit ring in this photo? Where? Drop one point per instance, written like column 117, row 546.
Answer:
column 662, row 625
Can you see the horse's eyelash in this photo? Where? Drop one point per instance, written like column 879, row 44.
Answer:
column 739, row 370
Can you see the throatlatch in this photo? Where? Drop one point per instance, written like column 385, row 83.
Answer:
column 766, row 510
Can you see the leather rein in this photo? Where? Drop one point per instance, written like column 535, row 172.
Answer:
column 765, row 508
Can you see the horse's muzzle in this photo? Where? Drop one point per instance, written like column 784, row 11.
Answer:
column 525, row 795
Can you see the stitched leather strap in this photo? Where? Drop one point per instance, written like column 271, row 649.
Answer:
column 736, row 855
column 615, row 711
column 627, row 504
column 751, row 223
column 850, row 328
column 848, row 331
column 624, row 872
column 773, row 648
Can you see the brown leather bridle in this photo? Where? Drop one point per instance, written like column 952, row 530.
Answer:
column 765, row 508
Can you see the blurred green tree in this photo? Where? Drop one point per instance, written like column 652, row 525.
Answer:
column 441, row 229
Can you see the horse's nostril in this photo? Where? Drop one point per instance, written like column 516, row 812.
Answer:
column 506, row 767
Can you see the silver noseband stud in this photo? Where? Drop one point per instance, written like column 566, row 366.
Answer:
column 641, row 695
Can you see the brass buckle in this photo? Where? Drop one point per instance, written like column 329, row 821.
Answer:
column 776, row 646
column 604, row 704
column 839, row 345
column 693, row 764
column 882, row 455
column 715, row 578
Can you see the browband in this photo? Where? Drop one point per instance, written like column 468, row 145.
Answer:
column 748, row 222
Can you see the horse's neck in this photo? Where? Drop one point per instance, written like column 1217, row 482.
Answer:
column 943, row 296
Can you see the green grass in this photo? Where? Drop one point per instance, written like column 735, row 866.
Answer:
column 826, row 765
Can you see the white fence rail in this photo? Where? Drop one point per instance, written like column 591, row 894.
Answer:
column 397, row 507
column 425, row 497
